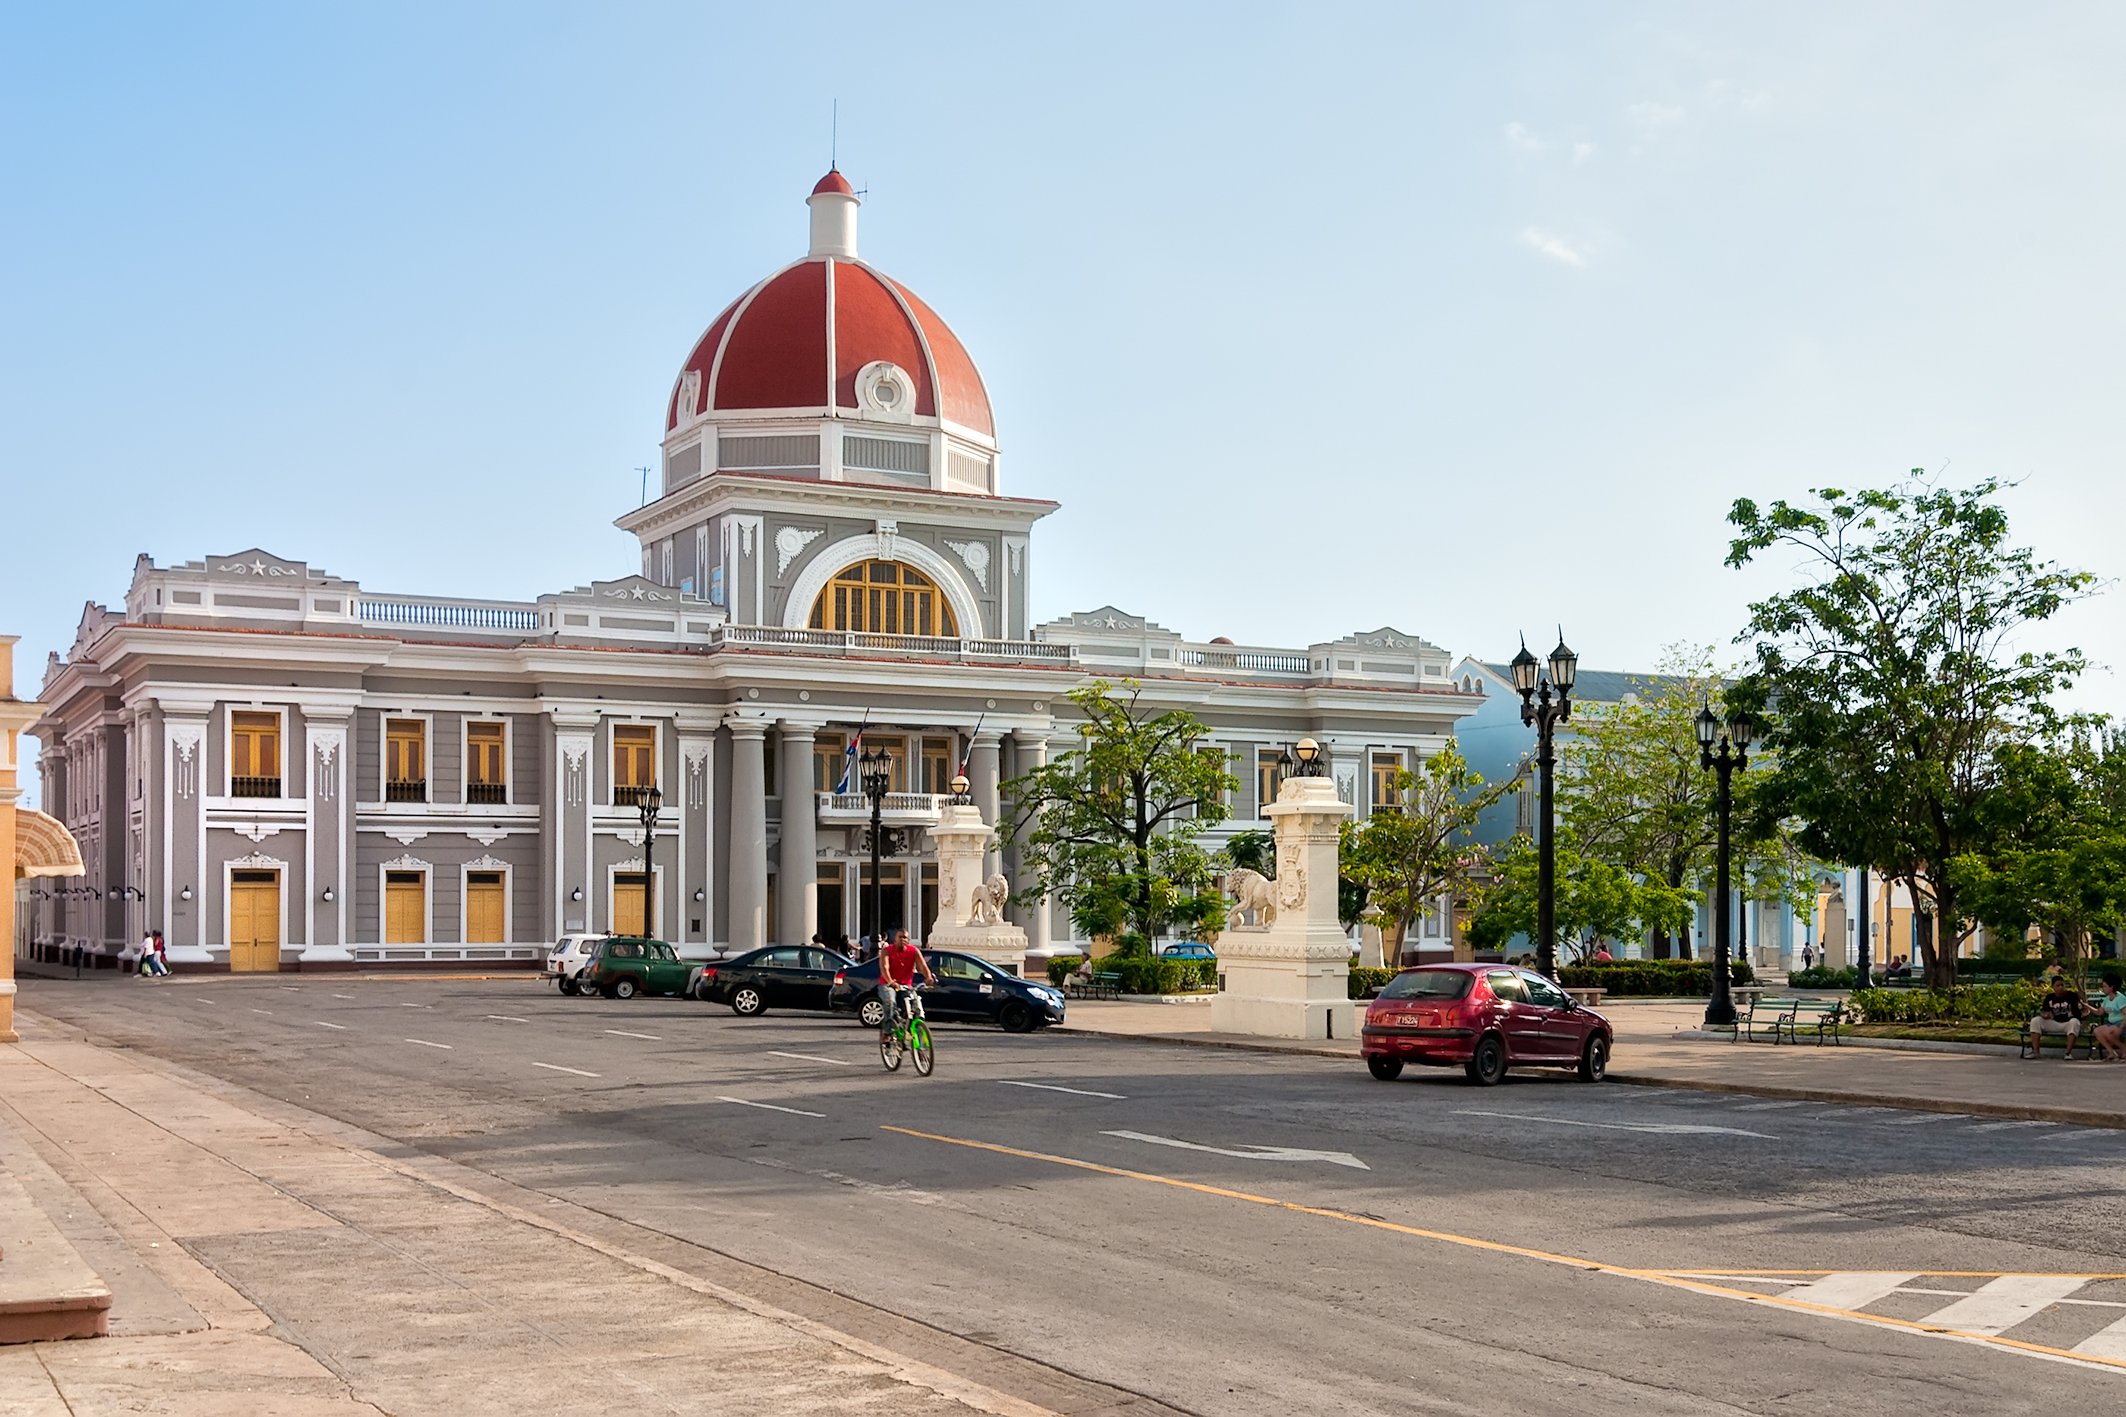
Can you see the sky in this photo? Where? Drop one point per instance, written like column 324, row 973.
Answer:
column 1469, row 320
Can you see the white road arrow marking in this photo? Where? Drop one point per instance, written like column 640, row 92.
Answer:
column 1664, row 1128
column 771, row 1107
column 1073, row 1091
column 1252, row 1153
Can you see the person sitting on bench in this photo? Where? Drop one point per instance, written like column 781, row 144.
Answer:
column 2060, row 1012
column 2111, row 1020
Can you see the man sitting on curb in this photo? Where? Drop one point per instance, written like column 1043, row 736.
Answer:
column 2061, row 1012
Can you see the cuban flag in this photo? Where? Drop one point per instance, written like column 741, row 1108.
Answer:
column 849, row 762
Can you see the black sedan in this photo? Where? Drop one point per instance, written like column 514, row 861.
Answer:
column 967, row 988
column 780, row 977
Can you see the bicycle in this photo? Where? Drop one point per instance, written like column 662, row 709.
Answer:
column 907, row 1032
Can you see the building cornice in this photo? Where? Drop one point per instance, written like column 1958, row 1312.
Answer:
column 726, row 491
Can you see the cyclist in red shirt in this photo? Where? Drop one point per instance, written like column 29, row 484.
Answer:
column 898, row 964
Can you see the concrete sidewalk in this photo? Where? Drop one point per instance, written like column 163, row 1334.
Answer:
column 266, row 1260
column 1649, row 1052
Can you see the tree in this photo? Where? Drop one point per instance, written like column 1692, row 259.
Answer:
column 2057, row 859
column 1595, row 901
column 1111, row 827
column 1890, row 682
column 1253, row 851
column 1422, row 845
column 1631, row 792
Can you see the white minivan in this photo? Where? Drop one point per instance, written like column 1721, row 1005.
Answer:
column 568, row 957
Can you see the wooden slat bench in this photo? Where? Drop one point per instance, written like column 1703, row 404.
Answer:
column 1103, row 985
column 1790, row 1016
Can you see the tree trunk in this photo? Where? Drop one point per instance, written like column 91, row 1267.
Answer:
column 1939, row 965
column 1391, row 943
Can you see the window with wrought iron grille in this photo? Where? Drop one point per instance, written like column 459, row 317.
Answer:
column 254, row 755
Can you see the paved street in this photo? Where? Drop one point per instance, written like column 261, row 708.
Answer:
column 1219, row 1232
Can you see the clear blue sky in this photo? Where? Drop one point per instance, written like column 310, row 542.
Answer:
column 1508, row 301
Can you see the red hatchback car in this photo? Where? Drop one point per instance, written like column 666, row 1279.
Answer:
column 1484, row 1018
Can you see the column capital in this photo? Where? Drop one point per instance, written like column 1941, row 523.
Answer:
column 747, row 726
column 808, row 726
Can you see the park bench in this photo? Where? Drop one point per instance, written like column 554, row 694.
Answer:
column 1103, row 985
column 2085, row 1040
column 1587, row 997
column 1790, row 1016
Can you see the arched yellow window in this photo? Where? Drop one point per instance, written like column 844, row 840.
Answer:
column 884, row 598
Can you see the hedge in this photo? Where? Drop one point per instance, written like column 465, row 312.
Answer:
column 1974, row 1003
column 1365, row 981
column 1141, row 974
column 1967, row 965
column 1823, row 977
column 1672, row 978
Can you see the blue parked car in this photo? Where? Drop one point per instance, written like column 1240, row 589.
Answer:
column 1189, row 950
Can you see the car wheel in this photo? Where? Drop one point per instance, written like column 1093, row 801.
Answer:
column 1488, row 1066
column 623, row 989
column 1594, row 1063
column 746, row 1001
column 1015, row 1017
column 871, row 1013
column 1386, row 1069
column 568, row 985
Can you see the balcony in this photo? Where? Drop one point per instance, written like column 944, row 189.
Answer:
column 1243, row 661
column 850, row 809
column 254, row 787
column 850, row 642
column 406, row 789
column 488, row 794
column 631, row 796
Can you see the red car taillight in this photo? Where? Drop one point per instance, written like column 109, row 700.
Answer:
column 840, row 974
column 708, row 971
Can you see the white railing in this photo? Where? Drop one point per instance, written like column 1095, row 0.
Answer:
column 897, row 806
column 449, row 614
column 1255, row 661
column 914, row 646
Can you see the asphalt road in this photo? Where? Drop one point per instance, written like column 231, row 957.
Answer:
column 1236, row 1232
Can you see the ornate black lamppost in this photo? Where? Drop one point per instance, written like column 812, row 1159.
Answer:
column 647, row 806
column 1733, row 739
column 1546, row 703
column 876, row 777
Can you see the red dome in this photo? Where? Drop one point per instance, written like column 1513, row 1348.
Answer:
column 834, row 182
column 799, row 338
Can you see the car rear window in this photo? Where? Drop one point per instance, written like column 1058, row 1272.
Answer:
column 1428, row 984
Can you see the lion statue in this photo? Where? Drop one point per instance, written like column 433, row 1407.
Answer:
column 989, row 901
column 1252, row 895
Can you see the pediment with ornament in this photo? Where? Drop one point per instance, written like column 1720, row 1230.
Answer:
column 257, row 565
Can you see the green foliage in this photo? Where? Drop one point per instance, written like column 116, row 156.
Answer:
column 1897, row 681
column 1365, row 982
column 2027, row 966
column 1112, row 826
column 1595, row 901
column 1062, row 966
column 1253, row 851
column 1979, row 1003
column 1823, row 977
column 1148, row 975
column 1404, row 860
column 1660, row 978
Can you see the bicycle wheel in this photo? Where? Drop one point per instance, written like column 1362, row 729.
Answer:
column 889, row 1049
column 919, row 1044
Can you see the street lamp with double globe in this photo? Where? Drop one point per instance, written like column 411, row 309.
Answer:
column 1545, row 703
column 1733, row 741
column 647, row 806
column 877, row 777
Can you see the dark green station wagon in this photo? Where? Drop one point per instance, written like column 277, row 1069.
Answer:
column 625, row 966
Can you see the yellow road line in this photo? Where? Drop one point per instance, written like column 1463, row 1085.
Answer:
column 1669, row 1278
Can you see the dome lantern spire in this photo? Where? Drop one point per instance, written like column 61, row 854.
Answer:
column 833, row 203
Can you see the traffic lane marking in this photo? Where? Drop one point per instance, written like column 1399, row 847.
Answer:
column 1074, row 1091
column 1249, row 1153
column 426, row 1044
column 322, row 1024
column 1662, row 1128
column 505, row 1018
column 646, row 1037
column 771, row 1107
column 812, row 1058
column 1666, row 1279
column 556, row 1067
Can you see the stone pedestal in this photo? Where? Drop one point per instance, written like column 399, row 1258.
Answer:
column 962, row 839
column 1292, row 978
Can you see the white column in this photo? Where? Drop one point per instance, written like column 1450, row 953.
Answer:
column 749, row 834
column 797, row 905
column 1033, row 753
column 982, row 782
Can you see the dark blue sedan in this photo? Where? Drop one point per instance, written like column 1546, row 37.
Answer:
column 968, row 989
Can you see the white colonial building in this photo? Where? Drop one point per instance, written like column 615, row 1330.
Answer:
column 282, row 768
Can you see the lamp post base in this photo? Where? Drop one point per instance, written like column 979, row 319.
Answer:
column 1720, row 1014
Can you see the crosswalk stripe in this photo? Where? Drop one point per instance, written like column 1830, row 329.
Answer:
column 2000, row 1304
column 1849, row 1291
column 2109, row 1342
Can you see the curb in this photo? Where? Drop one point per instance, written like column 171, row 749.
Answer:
column 1235, row 1045
column 1897, row 1045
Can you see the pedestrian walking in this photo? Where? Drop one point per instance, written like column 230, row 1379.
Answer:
column 155, row 956
column 140, row 960
column 1808, row 957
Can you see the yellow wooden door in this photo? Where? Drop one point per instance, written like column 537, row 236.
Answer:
column 405, row 907
column 483, row 908
column 254, row 921
column 628, row 897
